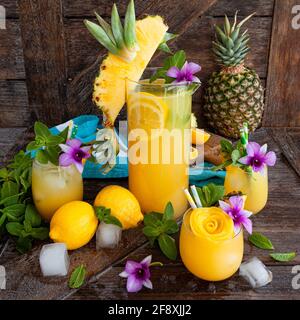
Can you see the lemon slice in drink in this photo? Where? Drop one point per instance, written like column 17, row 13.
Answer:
column 146, row 111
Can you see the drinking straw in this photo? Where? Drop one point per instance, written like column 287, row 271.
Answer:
column 244, row 135
column 196, row 197
column 190, row 199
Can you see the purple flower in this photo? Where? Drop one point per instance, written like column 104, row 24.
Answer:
column 257, row 157
column 137, row 274
column 235, row 209
column 186, row 74
column 73, row 154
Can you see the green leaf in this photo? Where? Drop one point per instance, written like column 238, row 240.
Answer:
column 33, row 146
column 3, row 173
column 41, row 130
column 210, row 194
column 15, row 228
column 27, row 226
column 41, row 157
column 151, row 232
column 170, row 227
column 52, row 153
column 14, row 212
column 235, row 155
column 41, row 233
column 153, row 219
column 77, row 277
column 178, row 59
column 169, row 212
column 24, row 245
column 9, row 190
column 164, row 48
column 53, row 140
column 64, row 134
column 32, row 216
column 159, row 74
column 168, row 246
column 226, row 146
column 113, row 220
column 260, row 241
column 283, row 257
column 2, row 219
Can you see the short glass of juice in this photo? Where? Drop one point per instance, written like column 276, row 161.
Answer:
column 209, row 248
column 255, row 186
column 53, row 186
column 159, row 122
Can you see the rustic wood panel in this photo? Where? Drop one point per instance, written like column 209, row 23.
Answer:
column 74, row 8
column 80, row 88
column 14, row 104
column 9, row 137
column 283, row 95
column 245, row 7
column 11, row 8
column 44, row 52
column 11, row 53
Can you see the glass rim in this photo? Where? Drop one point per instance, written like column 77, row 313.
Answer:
column 165, row 85
column 184, row 224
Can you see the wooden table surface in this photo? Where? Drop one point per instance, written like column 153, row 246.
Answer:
column 280, row 221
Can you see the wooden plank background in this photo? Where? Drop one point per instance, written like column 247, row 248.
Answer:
column 34, row 57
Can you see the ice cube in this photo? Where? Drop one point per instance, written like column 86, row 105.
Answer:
column 108, row 236
column 54, row 260
column 2, row 278
column 256, row 273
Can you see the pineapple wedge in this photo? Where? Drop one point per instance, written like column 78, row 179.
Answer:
column 109, row 87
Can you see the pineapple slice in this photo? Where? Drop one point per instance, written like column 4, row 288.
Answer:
column 109, row 87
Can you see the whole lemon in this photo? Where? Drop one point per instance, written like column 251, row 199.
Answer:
column 75, row 224
column 122, row 203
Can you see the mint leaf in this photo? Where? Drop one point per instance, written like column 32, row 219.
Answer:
column 54, row 141
column 153, row 219
column 2, row 219
column 170, row 227
column 41, row 233
column 210, row 194
column 8, row 190
column 42, row 157
column 15, row 228
column 283, row 257
column 235, row 155
column 168, row 213
column 33, row 146
column 260, row 241
column 164, row 48
column 151, row 232
column 77, row 277
column 226, row 146
column 14, row 212
column 41, row 131
column 177, row 60
column 112, row 220
column 104, row 214
column 32, row 216
column 168, row 246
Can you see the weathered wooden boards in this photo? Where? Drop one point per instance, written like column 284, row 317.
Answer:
column 279, row 221
column 283, row 95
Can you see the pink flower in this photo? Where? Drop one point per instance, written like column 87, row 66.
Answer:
column 137, row 274
column 186, row 74
column 257, row 157
column 73, row 154
column 235, row 209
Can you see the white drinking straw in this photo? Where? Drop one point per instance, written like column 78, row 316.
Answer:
column 196, row 197
column 190, row 199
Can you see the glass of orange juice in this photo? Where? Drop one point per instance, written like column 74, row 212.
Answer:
column 53, row 186
column 209, row 248
column 255, row 186
column 159, row 120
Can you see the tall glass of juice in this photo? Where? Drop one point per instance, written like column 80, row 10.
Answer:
column 159, row 120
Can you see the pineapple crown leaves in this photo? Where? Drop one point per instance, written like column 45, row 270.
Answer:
column 230, row 48
column 120, row 41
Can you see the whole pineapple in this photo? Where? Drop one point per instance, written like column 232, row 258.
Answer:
column 235, row 94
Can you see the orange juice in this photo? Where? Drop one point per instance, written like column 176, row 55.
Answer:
column 159, row 118
column 54, row 186
column 208, row 247
column 255, row 187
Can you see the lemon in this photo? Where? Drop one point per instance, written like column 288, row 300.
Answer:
column 122, row 203
column 75, row 224
column 199, row 136
column 146, row 111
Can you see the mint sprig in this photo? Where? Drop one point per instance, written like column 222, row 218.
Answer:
column 104, row 214
column 160, row 227
column 176, row 60
column 163, row 45
column 210, row 194
column 46, row 144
